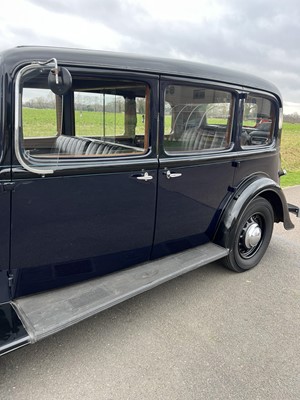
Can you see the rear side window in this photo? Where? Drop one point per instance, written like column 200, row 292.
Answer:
column 258, row 121
column 197, row 119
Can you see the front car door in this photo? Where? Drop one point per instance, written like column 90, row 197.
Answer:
column 95, row 213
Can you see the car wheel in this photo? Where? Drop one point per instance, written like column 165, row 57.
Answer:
column 249, row 241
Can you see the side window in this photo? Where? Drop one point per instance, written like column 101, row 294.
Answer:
column 97, row 118
column 197, row 119
column 116, row 115
column 38, row 113
column 258, row 121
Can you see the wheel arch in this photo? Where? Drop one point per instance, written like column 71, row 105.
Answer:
column 276, row 203
column 254, row 187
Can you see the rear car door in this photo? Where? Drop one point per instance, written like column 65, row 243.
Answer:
column 95, row 213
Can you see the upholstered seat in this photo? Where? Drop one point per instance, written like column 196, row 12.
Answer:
column 200, row 139
column 85, row 146
column 71, row 144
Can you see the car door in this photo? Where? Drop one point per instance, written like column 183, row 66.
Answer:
column 95, row 214
column 260, row 131
column 196, row 169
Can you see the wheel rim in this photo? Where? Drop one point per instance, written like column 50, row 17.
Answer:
column 251, row 237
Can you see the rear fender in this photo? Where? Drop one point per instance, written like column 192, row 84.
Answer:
column 243, row 195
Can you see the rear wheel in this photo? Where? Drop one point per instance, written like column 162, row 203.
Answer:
column 249, row 241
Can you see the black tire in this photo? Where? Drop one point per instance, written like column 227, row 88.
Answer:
column 250, row 239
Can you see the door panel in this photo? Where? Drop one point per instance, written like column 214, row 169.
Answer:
column 70, row 228
column 188, row 204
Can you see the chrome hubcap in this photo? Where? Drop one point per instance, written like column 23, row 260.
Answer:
column 252, row 235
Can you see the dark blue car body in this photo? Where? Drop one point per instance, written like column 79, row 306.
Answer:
column 92, row 218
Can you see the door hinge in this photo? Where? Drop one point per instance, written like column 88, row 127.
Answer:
column 8, row 186
column 236, row 164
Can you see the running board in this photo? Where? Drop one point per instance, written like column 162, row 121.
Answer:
column 49, row 312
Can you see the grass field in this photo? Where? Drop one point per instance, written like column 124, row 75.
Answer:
column 42, row 123
column 290, row 154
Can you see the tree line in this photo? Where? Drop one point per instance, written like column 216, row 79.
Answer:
column 85, row 104
column 292, row 118
column 115, row 106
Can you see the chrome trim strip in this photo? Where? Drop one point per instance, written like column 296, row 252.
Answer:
column 18, row 121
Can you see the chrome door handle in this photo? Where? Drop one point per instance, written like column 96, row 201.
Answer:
column 146, row 177
column 170, row 174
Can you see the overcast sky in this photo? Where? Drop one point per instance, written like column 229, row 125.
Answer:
column 258, row 36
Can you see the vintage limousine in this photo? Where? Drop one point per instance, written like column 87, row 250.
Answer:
column 119, row 173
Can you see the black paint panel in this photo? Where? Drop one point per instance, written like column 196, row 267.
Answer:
column 11, row 328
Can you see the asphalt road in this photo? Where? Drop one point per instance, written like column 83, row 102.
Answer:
column 210, row 334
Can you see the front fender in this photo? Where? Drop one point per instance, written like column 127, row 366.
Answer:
column 243, row 195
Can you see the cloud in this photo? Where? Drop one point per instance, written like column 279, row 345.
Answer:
column 120, row 15
column 260, row 37
column 27, row 37
column 34, row 25
column 254, row 33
